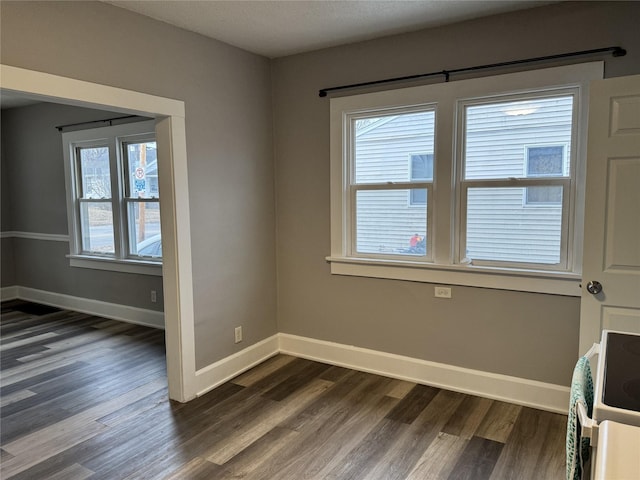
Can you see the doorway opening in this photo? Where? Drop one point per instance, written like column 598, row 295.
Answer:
column 173, row 180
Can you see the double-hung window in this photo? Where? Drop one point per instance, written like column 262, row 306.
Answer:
column 476, row 182
column 113, row 199
column 507, row 164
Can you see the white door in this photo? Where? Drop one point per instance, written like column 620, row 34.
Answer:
column 612, row 211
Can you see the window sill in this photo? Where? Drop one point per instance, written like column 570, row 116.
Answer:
column 553, row 283
column 140, row 267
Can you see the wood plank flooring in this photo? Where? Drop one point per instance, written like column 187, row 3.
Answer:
column 84, row 397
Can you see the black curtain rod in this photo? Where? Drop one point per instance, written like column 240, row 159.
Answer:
column 106, row 120
column 615, row 51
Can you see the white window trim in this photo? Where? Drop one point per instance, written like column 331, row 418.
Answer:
column 117, row 133
column 445, row 267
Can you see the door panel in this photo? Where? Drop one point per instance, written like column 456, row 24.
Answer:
column 612, row 210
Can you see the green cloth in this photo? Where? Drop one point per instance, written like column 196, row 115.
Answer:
column 581, row 392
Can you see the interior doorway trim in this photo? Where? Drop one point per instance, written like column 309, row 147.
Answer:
column 174, row 211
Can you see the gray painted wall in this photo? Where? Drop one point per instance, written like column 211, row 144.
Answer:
column 522, row 334
column 33, row 166
column 7, row 266
column 227, row 94
column 228, row 99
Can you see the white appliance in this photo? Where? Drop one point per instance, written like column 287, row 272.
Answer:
column 615, row 428
column 617, row 383
column 618, row 453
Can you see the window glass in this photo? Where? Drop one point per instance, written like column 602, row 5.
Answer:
column 144, row 220
column 95, row 174
column 143, row 216
column 383, row 144
column 385, row 152
column 497, row 134
column 142, row 170
column 96, row 225
column 544, row 195
column 515, row 140
column 385, row 225
column 500, row 229
column 544, row 161
column 421, row 169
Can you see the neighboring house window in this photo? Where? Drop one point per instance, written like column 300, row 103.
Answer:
column 545, row 161
column 421, row 167
column 500, row 145
column 113, row 198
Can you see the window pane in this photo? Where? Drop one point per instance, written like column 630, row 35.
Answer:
column 384, row 147
column 500, row 228
column 142, row 170
column 96, row 224
column 544, row 161
column 544, row 195
column 422, row 167
column 499, row 135
column 385, row 225
column 144, row 228
column 95, row 175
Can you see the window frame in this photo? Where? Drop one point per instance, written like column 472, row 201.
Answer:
column 447, row 265
column 114, row 137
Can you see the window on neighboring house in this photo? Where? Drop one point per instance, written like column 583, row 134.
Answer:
column 113, row 198
column 496, row 154
column 421, row 169
column 545, row 161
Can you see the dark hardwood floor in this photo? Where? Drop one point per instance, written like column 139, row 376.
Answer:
column 84, row 397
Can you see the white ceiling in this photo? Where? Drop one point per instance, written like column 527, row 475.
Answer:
column 279, row 28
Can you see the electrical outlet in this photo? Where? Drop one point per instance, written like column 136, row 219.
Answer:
column 443, row 292
column 154, row 297
column 238, row 333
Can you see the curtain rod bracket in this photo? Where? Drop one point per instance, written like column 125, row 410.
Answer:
column 619, row 52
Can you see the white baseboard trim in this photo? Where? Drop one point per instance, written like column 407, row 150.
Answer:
column 8, row 293
column 229, row 367
column 530, row 393
column 124, row 313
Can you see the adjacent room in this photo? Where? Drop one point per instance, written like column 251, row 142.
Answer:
column 309, row 239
